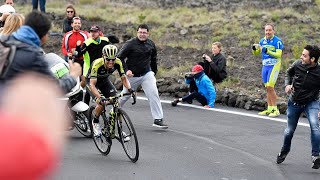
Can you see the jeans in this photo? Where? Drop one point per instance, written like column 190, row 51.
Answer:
column 42, row 5
column 195, row 95
column 293, row 112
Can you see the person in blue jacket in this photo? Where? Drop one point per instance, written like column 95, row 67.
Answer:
column 206, row 94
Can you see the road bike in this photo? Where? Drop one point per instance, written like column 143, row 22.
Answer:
column 117, row 125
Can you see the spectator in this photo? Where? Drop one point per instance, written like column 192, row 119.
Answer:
column 29, row 56
column 205, row 94
column 70, row 14
column 9, row 2
column 215, row 66
column 42, row 5
column 13, row 22
column 303, row 85
column 5, row 11
column 91, row 49
column 271, row 49
column 139, row 58
column 69, row 43
column 34, row 149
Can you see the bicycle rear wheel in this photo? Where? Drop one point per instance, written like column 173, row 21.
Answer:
column 102, row 142
column 127, row 136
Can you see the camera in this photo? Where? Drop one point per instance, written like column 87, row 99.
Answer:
column 188, row 75
column 204, row 58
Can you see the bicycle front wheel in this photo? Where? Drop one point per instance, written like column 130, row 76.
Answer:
column 82, row 123
column 127, row 136
column 102, row 141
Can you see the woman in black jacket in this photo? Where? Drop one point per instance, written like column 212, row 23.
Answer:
column 71, row 13
column 214, row 66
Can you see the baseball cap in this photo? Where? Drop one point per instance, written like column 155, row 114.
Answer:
column 7, row 9
column 197, row 68
column 94, row 28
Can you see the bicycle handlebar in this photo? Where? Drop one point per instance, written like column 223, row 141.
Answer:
column 110, row 99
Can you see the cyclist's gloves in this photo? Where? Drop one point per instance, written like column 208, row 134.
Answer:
column 133, row 95
column 254, row 47
column 101, row 100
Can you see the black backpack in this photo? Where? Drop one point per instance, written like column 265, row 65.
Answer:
column 7, row 52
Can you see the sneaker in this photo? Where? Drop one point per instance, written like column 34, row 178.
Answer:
column 159, row 123
column 264, row 113
column 175, row 102
column 126, row 138
column 281, row 157
column 96, row 129
column 274, row 113
column 315, row 162
column 189, row 101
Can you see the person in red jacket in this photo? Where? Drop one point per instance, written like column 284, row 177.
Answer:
column 70, row 40
column 32, row 121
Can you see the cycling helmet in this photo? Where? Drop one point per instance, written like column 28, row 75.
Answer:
column 109, row 52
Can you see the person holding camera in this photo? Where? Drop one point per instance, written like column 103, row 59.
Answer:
column 214, row 66
column 206, row 93
column 271, row 49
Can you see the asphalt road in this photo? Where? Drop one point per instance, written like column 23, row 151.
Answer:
column 222, row 144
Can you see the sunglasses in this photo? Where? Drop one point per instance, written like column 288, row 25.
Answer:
column 70, row 11
column 105, row 58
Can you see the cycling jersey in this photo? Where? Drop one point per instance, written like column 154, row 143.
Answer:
column 274, row 46
column 100, row 72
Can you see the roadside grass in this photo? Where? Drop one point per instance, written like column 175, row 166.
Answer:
column 228, row 83
column 243, row 26
column 176, row 71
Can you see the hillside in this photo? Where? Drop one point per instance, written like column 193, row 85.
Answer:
column 184, row 29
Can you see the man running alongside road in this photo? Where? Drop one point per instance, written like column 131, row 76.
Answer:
column 139, row 58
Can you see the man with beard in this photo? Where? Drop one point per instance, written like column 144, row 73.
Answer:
column 91, row 50
column 70, row 40
column 303, row 85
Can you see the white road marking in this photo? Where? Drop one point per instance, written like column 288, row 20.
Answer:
column 230, row 112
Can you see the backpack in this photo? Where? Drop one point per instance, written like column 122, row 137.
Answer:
column 7, row 52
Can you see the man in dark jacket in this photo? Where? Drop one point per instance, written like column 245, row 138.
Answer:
column 139, row 58
column 303, row 85
column 29, row 55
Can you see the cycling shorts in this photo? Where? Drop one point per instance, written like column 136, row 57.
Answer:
column 105, row 88
column 270, row 74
